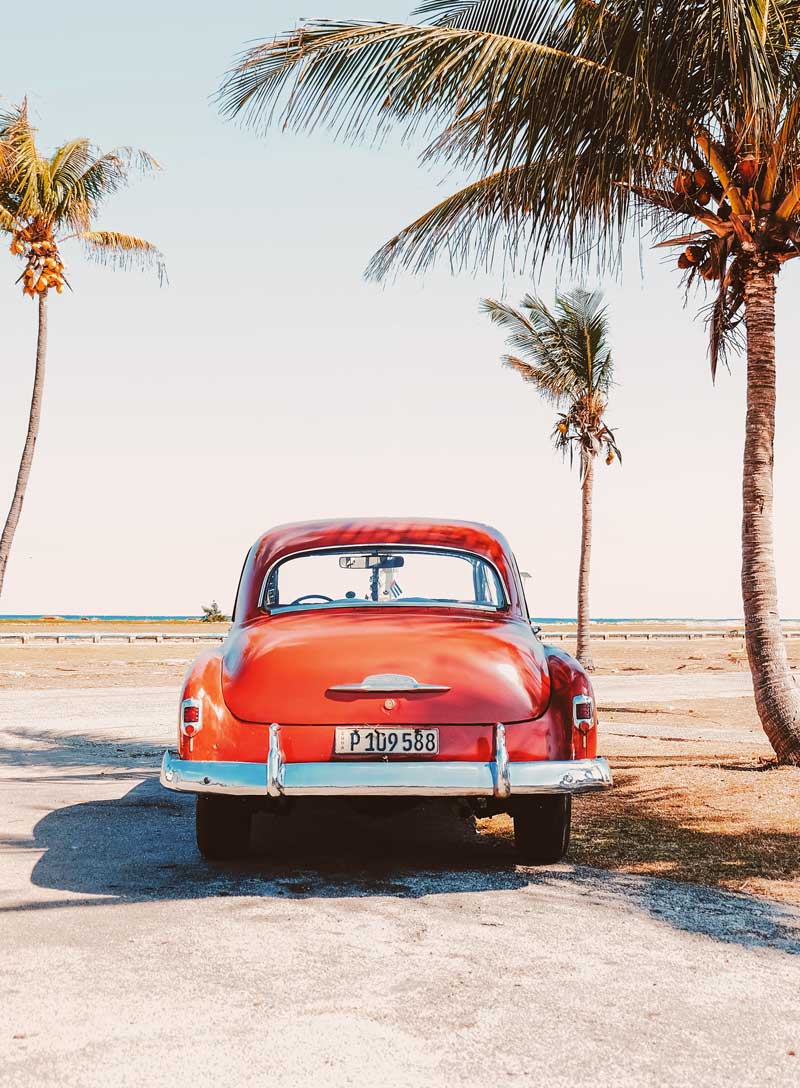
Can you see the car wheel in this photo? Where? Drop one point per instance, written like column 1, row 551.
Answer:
column 222, row 827
column 541, row 828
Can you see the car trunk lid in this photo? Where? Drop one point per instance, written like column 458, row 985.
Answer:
column 320, row 667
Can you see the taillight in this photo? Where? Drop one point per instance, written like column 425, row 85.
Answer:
column 583, row 712
column 191, row 718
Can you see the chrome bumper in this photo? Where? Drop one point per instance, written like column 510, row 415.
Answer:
column 429, row 778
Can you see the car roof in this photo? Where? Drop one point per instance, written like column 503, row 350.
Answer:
column 305, row 536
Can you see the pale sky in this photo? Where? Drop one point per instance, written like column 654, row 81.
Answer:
column 268, row 382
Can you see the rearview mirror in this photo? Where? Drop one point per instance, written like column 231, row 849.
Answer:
column 370, row 562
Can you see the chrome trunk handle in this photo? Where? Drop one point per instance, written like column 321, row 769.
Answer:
column 388, row 682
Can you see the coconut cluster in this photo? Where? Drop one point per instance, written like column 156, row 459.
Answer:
column 44, row 268
column 695, row 184
column 593, row 440
column 700, row 187
column 692, row 255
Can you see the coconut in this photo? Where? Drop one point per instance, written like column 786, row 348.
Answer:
column 747, row 169
column 683, row 183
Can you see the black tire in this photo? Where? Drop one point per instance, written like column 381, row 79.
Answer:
column 541, row 828
column 222, row 827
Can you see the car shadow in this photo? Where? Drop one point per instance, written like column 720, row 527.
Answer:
column 30, row 749
column 140, row 847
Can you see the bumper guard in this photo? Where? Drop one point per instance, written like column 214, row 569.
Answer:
column 390, row 778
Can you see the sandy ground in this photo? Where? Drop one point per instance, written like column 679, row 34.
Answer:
column 398, row 950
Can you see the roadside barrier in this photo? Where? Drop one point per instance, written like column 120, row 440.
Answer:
column 673, row 636
column 55, row 638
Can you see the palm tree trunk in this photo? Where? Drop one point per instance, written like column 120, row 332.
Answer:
column 777, row 697
column 24, row 472
column 584, row 650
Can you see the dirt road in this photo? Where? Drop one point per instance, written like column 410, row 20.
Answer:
column 353, row 951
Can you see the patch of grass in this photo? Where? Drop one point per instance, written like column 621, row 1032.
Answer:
column 716, row 822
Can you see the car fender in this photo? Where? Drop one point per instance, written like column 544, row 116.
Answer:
column 222, row 735
column 568, row 678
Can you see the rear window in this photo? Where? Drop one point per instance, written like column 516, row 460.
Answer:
column 383, row 577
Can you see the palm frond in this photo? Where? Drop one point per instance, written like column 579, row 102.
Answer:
column 575, row 121
column 69, row 162
column 546, row 381
column 545, row 361
column 22, row 181
column 584, row 319
column 107, row 174
column 123, row 251
column 359, row 77
column 469, row 226
column 517, row 18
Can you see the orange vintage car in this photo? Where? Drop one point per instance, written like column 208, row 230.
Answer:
column 386, row 658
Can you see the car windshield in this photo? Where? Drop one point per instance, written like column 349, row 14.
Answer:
column 385, row 576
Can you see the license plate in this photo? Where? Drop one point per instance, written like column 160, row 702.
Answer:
column 378, row 741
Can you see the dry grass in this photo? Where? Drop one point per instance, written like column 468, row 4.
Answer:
column 726, row 823
column 712, row 655
column 732, row 824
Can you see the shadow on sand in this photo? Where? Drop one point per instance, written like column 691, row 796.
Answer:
column 34, row 748
column 140, row 847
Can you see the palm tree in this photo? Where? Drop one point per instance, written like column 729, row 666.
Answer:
column 577, row 121
column 566, row 357
column 45, row 202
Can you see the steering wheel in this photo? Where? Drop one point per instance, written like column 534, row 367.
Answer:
column 313, row 597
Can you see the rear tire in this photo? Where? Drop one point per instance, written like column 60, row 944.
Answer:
column 222, row 827
column 542, row 827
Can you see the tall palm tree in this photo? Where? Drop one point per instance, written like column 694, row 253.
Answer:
column 565, row 356
column 578, row 120
column 45, row 202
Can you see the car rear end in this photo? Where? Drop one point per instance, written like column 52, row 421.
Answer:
column 343, row 680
